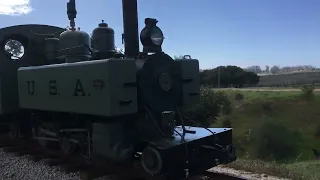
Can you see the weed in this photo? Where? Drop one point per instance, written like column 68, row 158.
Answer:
column 239, row 96
column 307, row 91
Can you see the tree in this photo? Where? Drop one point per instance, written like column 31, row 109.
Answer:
column 252, row 78
column 289, row 69
column 286, row 69
column 228, row 76
column 255, row 69
column 275, row 69
column 267, row 70
column 14, row 48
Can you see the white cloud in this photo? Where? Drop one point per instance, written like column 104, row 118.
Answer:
column 15, row 7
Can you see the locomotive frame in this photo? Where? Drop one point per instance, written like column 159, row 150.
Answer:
column 63, row 92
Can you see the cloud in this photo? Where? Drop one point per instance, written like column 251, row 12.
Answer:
column 15, row 7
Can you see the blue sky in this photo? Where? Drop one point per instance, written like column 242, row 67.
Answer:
column 217, row 32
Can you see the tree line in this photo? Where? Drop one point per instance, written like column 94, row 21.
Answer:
column 227, row 76
column 280, row 70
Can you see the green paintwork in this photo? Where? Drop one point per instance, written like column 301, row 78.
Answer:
column 189, row 69
column 74, row 46
column 31, row 36
column 90, row 87
column 102, row 39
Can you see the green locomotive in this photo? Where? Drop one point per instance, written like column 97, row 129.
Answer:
column 78, row 92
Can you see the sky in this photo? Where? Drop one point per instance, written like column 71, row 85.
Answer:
column 216, row 32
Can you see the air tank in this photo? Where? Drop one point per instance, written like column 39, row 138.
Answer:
column 51, row 45
column 74, row 46
column 102, row 41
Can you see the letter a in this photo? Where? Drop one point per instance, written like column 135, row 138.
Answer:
column 79, row 89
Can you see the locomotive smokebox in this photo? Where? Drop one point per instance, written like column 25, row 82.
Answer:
column 130, row 26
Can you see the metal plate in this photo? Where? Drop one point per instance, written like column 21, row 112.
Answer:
column 200, row 133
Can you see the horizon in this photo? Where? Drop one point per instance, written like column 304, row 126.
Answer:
column 217, row 33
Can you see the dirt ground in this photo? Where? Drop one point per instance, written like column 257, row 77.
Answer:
column 243, row 174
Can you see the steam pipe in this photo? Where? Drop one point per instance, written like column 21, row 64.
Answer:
column 130, row 27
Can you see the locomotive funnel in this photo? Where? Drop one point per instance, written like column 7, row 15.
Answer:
column 130, row 26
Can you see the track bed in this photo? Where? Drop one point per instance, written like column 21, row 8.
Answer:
column 73, row 167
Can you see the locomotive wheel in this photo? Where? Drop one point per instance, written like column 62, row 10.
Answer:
column 151, row 161
column 67, row 147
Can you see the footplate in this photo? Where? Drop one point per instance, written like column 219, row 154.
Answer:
column 189, row 153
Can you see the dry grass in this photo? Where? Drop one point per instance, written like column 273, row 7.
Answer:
column 296, row 171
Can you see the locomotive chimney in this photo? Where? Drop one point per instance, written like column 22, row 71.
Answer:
column 130, row 27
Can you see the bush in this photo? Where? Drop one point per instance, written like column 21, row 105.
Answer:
column 317, row 133
column 307, row 91
column 274, row 141
column 212, row 104
column 226, row 123
column 239, row 97
column 267, row 106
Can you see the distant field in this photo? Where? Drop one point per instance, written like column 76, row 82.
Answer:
column 266, row 89
column 290, row 79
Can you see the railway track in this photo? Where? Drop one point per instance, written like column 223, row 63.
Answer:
column 89, row 169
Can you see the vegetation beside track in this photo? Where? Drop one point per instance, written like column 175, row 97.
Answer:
column 274, row 131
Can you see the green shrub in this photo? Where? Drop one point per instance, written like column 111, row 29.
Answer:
column 266, row 106
column 212, row 104
column 307, row 91
column 239, row 96
column 274, row 141
column 226, row 123
column 317, row 133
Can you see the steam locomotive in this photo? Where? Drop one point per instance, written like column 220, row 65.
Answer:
column 78, row 92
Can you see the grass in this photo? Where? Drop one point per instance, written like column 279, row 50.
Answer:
column 297, row 171
column 257, row 95
column 290, row 108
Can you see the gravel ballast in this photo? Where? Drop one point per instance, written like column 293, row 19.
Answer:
column 20, row 168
